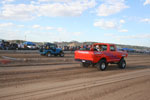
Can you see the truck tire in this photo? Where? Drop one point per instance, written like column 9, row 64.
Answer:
column 83, row 64
column 122, row 64
column 102, row 65
column 48, row 54
column 61, row 54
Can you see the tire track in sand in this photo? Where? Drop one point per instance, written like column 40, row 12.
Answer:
column 43, row 90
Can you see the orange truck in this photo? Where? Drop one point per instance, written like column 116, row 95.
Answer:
column 101, row 54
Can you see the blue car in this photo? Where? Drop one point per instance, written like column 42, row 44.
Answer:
column 50, row 49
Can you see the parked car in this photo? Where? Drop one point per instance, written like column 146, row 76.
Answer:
column 13, row 46
column 29, row 46
column 4, row 45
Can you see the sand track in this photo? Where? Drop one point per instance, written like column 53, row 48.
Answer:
column 69, row 81
column 57, row 88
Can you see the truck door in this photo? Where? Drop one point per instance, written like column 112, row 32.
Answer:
column 113, row 53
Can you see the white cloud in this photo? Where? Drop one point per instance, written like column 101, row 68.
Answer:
column 34, row 33
column 146, row 2
column 110, row 24
column 35, row 9
column 122, row 21
column 56, row 0
column 36, row 26
column 147, row 20
column 21, row 26
column 7, row 1
column 42, row 27
column 10, row 25
column 123, row 30
column 106, row 24
column 18, row 12
column 65, row 9
column 6, row 25
column 109, row 7
column 49, row 28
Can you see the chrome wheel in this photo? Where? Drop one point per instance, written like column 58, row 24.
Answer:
column 103, row 66
column 123, row 65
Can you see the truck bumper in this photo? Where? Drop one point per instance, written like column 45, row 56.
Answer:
column 85, row 61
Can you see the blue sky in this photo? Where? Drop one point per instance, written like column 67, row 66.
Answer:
column 110, row 21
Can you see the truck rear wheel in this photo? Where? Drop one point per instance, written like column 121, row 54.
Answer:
column 102, row 65
column 122, row 64
column 83, row 64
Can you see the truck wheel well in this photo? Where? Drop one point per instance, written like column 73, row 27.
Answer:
column 103, row 59
column 122, row 58
column 48, row 52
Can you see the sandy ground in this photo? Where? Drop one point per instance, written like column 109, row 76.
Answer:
column 34, row 77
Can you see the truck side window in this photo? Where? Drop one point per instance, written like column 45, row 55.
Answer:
column 52, row 46
column 112, row 48
column 100, row 48
column 104, row 47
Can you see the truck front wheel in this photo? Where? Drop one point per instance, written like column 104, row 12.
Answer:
column 122, row 64
column 102, row 65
